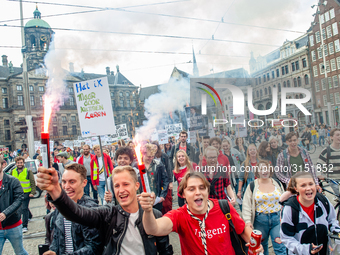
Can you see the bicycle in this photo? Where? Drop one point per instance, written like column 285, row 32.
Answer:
column 312, row 147
column 336, row 197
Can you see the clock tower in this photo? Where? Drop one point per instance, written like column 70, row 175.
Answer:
column 38, row 35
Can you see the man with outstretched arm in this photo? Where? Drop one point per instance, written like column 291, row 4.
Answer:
column 120, row 225
column 201, row 225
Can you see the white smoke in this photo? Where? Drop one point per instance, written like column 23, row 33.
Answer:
column 56, row 91
column 173, row 96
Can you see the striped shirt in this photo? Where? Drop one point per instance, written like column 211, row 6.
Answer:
column 333, row 168
column 68, row 236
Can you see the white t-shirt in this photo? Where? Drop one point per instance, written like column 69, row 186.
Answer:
column 132, row 243
column 101, row 176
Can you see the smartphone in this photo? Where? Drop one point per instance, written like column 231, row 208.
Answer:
column 317, row 247
column 43, row 248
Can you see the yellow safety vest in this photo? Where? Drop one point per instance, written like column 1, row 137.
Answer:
column 95, row 170
column 23, row 177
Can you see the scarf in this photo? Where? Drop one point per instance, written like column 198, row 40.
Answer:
column 202, row 227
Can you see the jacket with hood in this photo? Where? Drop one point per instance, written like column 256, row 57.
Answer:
column 298, row 238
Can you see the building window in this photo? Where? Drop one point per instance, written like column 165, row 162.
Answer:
column 73, row 118
column 4, row 90
column 128, row 103
column 273, row 75
column 127, row 94
column 121, row 103
column 284, row 84
column 40, row 100
column 319, row 52
column 313, row 56
column 337, row 98
column 288, row 84
column 112, row 94
column 19, row 88
column 41, row 89
column 324, row 34
column 323, row 84
column 268, row 77
column 279, row 87
column 328, row 68
column 32, row 100
column 315, row 71
column 335, row 81
column 70, row 89
column 329, row 32
column 64, row 130
column 7, row 135
column 331, row 13
column 277, row 73
column 286, row 69
column 120, row 94
column 337, row 45
column 322, row 68
column 330, row 82
column 331, row 48
column 317, row 86
column 293, row 66
column 134, row 104
column 333, row 64
column 74, row 130
column 6, row 122
column 311, row 40
column 264, row 78
column 54, row 119
column 325, row 50
column 335, row 28
column 304, row 62
column 71, row 101
column 20, row 100
column 283, row 70
column 306, row 79
column 35, row 132
column 63, row 118
column 55, row 130
column 317, row 37
column 5, row 103
column 31, row 88
column 295, row 82
column 299, row 81
column 325, row 100
column 297, row 66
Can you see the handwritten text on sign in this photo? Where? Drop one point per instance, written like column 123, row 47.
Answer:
column 94, row 107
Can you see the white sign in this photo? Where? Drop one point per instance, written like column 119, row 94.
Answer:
column 121, row 133
column 163, row 136
column 174, row 129
column 77, row 143
column 94, row 107
column 241, row 131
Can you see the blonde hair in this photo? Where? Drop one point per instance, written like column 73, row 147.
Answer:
column 151, row 148
column 247, row 161
column 187, row 160
column 96, row 146
column 210, row 148
column 129, row 169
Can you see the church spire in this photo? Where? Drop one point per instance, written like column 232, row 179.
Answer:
column 195, row 68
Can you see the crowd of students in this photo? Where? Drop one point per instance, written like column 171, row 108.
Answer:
column 275, row 187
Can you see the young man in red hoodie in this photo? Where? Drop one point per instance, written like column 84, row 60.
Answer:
column 97, row 171
column 85, row 160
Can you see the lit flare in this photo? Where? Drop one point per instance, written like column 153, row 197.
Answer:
column 47, row 113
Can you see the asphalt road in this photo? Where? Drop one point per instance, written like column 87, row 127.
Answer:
column 36, row 227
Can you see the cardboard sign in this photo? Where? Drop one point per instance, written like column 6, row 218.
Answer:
column 94, row 107
column 120, row 133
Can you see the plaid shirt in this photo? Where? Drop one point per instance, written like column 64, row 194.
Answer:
column 221, row 184
column 285, row 176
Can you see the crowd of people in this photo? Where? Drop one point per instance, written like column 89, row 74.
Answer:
column 96, row 204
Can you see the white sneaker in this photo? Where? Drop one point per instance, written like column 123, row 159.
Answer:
column 24, row 230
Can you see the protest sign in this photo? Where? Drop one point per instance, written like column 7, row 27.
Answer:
column 4, row 149
column 94, row 107
column 120, row 133
column 162, row 136
column 174, row 129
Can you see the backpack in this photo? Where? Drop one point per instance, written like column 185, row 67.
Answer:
column 320, row 197
column 237, row 241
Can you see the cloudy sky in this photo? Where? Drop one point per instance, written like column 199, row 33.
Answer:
column 146, row 40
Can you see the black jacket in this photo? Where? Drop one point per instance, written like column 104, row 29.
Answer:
column 11, row 196
column 190, row 152
column 166, row 163
column 162, row 179
column 112, row 222
column 86, row 240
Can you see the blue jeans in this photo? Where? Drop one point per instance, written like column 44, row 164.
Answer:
column 14, row 235
column 101, row 190
column 269, row 225
column 87, row 188
column 321, row 137
column 314, row 139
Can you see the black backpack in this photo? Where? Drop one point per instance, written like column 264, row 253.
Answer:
column 237, row 241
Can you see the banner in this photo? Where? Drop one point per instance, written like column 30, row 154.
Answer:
column 174, row 129
column 120, row 133
column 94, row 107
column 163, row 136
column 4, row 149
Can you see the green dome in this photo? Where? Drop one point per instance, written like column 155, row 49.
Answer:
column 37, row 23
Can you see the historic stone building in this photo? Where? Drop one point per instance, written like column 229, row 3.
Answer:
column 285, row 67
column 325, row 59
column 64, row 123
